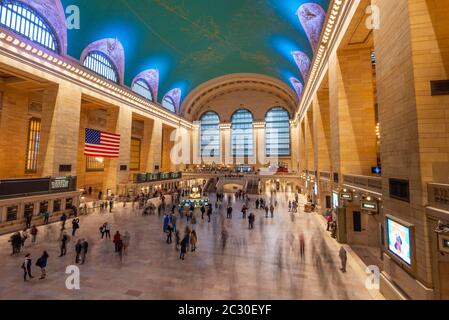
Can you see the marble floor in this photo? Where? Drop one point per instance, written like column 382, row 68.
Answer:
column 260, row 264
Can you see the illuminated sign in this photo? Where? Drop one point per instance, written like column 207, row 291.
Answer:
column 346, row 196
column 370, row 206
column 399, row 240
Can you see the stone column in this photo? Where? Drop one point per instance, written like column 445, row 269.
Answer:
column 321, row 131
column 61, row 110
column 153, row 139
column 119, row 122
column 352, row 118
column 14, row 123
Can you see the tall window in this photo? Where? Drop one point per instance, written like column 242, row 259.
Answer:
column 34, row 141
column 142, row 88
column 242, row 133
column 23, row 20
column 210, row 135
column 99, row 63
column 94, row 164
column 277, row 132
column 168, row 104
column 135, row 154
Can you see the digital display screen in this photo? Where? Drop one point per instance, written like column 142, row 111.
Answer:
column 399, row 240
column 335, row 200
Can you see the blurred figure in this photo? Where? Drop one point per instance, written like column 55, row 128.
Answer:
column 42, row 263
column 343, row 258
column 302, row 246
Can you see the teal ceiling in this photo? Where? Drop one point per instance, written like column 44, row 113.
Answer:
column 193, row 41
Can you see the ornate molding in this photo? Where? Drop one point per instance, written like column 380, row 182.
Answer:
column 339, row 17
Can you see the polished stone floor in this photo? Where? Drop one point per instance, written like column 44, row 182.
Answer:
column 260, row 264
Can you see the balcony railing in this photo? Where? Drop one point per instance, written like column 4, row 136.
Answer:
column 366, row 182
column 156, row 177
column 325, row 175
column 438, row 195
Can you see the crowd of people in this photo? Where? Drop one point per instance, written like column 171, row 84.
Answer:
column 184, row 240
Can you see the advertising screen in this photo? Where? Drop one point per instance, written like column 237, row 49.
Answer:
column 335, row 200
column 399, row 240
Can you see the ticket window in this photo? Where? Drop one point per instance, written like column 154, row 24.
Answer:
column 29, row 210
column 43, row 207
column 12, row 213
column 57, row 205
column 68, row 203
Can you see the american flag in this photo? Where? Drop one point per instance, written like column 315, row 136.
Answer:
column 101, row 144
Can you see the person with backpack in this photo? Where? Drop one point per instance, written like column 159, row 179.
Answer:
column 26, row 266
column 42, row 264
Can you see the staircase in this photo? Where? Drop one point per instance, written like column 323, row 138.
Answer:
column 211, row 186
column 253, row 187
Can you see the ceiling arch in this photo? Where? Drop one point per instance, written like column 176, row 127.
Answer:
column 231, row 88
column 191, row 42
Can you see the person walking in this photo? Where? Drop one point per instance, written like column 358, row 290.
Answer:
column 289, row 206
column 107, row 230
column 169, row 231
column 26, row 266
column 266, row 212
column 302, row 246
column 85, row 247
column 272, row 211
column 33, row 233
column 117, row 240
column 16, row 243
column 46, row 217
column 173, row 221
column 229, row 212
column 78, row 249
column 28, row 219
column 209, row 213
column 75, row 226
column 251, row 219
column 63, row 219
column 178, row 240
column 166, row 222
column 24, row 237
column 193, row 240
column 126, row 241
column 42, row 264
column 102, row 230
column 203, row 211
column 111, row 205
column 64, row 241
column 184, row 244
column 343, row 258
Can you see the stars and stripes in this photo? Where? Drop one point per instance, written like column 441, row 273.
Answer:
column 101, row 144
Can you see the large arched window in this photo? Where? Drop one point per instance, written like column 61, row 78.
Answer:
column 242, row 133
column 210, row 135
column 277, row 132
column 142, row 88
column 169, row 104
column 101, row 64
column 21, row 19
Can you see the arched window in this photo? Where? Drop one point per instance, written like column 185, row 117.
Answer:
column 142, row 88
column 242, row 133
column 101, row 64
column 277, row 132
column 21, row 19
column 169, row 104
column 210, row 135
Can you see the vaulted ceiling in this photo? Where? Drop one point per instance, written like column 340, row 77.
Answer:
column 193, row 41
